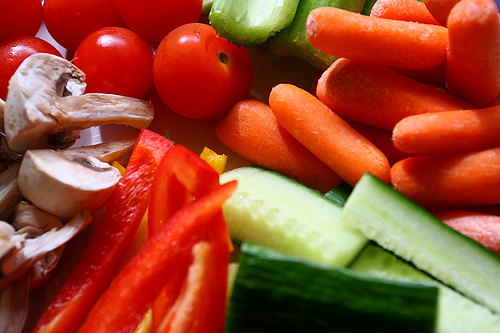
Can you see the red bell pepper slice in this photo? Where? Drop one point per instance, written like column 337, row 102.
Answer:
column 103, row 255
column 132, row 292
column 201, row 306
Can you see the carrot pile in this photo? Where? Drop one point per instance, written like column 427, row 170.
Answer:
column 412, row 98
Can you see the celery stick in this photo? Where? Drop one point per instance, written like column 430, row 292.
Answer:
column 207, row 5
column 367, row 8
column 248, row 23
column 292, row 41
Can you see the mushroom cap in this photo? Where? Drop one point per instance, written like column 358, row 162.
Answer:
column 63, row 186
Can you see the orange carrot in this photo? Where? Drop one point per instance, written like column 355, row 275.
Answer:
column 450, row 180
column 473, row 60
column 440, row 9
column 403, row 10
column 482, row 227
column 449, row 131
column 251, row 130
column 378, row 96
column 327, row 135
column 387, row 42
column 382, row 139
column 435, row 76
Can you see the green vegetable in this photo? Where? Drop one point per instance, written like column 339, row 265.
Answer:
column 399, row 225
column 273, row 292
column 275, row 211
column 292, row 41
column 207, row 5
column 248, row 23
column 456, row 313
column 339, row 194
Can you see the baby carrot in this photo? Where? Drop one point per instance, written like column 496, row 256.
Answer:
column 473, row 60
column 387, row 42
column 378, row 96
column 450, row 180
column 327, row 135
column 251, row 129
column 449, row 131
column 403, row 10
column 482, row 227
column 440, row 9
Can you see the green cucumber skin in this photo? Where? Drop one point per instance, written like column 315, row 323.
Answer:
column 399, row 225
column 275, row 211
column 457, row 313
column 273, row 292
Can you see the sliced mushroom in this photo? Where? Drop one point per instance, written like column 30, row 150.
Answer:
column 45, row 107
column 14, row 305
column 64, row 186
column 30, row 250
column 10, row 194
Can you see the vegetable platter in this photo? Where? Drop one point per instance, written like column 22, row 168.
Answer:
column 235, row 166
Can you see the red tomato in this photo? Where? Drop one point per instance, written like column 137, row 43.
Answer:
column 20, row 18
column 154, row 19
column 116, row 61
column 70, row 21
column 14, row 51
column 199, row 74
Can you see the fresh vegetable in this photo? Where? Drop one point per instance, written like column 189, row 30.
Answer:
column 482, row 227
column 13, row 52
column 248, row 23
column 69, row 21
column 292, row 40
column 456, row 313
column 440, row 9
column 113, row 236
column 154, row 19
column 119, row 307
column 20, row 18
column 272, row 210
column 473, row 60
column 216, row 161
column 399, row 225
column 450, row 180
column 448, row 131
column 378, row 96
column 116, row 61
column 251, row 129
column 403, row 10
column 273, row 292
column 327, row 135
column 392, row 43
column 193, row 61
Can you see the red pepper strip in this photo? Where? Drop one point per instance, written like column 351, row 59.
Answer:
column 201, row 306
column 103, row 255
column 123, row 305
column 182, row 176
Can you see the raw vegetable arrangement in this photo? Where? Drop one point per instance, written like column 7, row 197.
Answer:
column 163, row 171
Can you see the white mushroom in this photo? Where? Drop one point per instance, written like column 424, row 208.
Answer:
column 46, row 107
column 64, row 186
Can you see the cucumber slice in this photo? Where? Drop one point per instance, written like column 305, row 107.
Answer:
column 292, row 41
column 339, row 194
column 273, row 292
column 456, row 313
column 248, row 23
column 399, row 225
column 275, row 211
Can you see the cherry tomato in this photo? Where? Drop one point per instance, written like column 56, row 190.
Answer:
column 20, row 18
column 70, row 21
column 14, row 51
column 154, row 19
column 116, row 61
column 199, row 74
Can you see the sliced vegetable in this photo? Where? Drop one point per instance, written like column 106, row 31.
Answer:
column 274, row 292
column 292, row 40
column 216, row 161
column 456, row 313
column 403, row 10
column 412, row 233
column 113, row 237
column 272, row 210
column 248, row 23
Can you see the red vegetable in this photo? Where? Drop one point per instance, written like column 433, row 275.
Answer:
column 103, row 255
